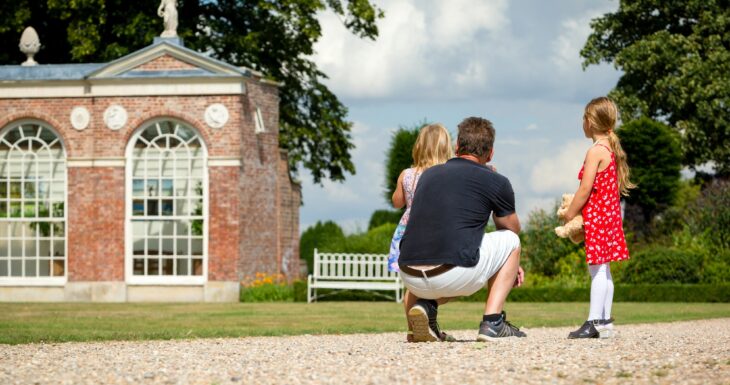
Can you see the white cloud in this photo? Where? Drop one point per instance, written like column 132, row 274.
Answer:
column 573, row 35
column 558, row 174
column 421, row 45
column 531, row 127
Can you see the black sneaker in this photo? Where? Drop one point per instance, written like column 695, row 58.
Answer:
column 587, row 330
column 489, row 331
column 422, row 317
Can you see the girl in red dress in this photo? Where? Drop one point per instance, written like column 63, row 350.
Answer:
column 603, row 178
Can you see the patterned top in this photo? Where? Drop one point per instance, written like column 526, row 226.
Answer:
column 602, row 222
column 410, row 180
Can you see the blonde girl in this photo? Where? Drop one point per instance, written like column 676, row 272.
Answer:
column 433, row 146
column 603, row 179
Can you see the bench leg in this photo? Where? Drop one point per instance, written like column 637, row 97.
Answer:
column 309, row 289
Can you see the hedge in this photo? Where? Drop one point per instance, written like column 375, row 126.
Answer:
column 623, row 293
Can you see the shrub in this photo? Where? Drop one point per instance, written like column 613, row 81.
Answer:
column 266, row 288
column 541, row 248
column 322, row 236
column 381, row 217
column 376, row 241
column 709, row 216
column 660, row 264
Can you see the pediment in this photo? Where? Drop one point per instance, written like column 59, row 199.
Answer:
column 164, row 59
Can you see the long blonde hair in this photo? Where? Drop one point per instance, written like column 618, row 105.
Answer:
column 602, row 115
column 433, row 146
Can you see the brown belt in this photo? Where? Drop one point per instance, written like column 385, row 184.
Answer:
column 428, row 273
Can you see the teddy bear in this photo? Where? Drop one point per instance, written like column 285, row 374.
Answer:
column 573, row 229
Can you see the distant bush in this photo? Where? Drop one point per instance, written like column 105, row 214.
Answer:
column 543, row 251
column 622, row 293
column 659, row 265
column 322, row 234
column 376, row 241
column 709, row 216
column 381, row 217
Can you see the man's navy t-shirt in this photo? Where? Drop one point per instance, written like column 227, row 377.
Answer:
column 450, row 209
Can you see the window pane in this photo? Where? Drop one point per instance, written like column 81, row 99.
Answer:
column 166, row 207
column 138, row 266
column 16, row 248
column 138, row 246
column 152, row 205
column 30, row 268
column 138, row 207
column 58, row 209
column 16, row 268
column 183, row 228
column 153, row 266
column 4, row 249
column 196, row 227
column 59, row 249
column 138, row 228
column 168, row 246
column 167, row 266
column 168, row 228
column 30, row 249
column 44, row 248
column 15, row 189
column 58, row 268
column 196, row 246
column 3, row 189
column 3, row 209
column 167, row 187
column 44, row 268
column 197, row 267
column 138, row 187
column 4, row 268
column 182, row 247
column 182, row 266
column 181, row 187
column 153, row 246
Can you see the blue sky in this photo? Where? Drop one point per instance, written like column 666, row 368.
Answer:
column 515, row 63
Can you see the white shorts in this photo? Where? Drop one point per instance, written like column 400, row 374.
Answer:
column 462, row 281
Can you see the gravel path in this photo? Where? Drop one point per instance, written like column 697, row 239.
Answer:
column 695, row 352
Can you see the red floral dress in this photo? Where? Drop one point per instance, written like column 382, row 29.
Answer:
column 602, row 222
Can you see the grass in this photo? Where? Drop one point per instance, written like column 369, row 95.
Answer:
column 32, row 323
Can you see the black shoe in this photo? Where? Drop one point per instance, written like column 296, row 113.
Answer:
column 422, row 317
column 489, row 331
column 588, row 330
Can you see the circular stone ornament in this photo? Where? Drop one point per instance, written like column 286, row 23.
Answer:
column 80, row 118
column 216, row 115
column 115, row 117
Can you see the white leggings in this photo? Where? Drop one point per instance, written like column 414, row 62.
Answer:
column 601, row 291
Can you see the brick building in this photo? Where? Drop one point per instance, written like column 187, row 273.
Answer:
column 157, row 176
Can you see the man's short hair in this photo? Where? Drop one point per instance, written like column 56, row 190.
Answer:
column 476, row 137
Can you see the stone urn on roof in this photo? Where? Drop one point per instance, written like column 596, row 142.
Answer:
column 30, row 44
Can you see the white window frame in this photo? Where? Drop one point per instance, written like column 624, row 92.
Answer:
column 130, row 278
column 44, row 281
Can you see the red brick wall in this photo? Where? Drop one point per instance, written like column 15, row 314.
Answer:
column 223, row 223
column 164, row 62
column 95, row 226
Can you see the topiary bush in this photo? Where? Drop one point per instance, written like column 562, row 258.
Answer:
column 660, row 265
column 381, row 217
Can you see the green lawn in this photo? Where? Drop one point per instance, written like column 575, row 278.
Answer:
column 26, row 323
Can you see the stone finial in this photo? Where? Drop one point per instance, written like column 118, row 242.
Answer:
column 29, row 45
column 168, row 11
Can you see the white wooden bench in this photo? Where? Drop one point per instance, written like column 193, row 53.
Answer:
column 352, row 272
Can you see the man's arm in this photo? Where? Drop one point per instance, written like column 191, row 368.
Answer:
column 507, row 222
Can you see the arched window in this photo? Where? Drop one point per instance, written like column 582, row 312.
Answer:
column 32, row 203
column 167, row 186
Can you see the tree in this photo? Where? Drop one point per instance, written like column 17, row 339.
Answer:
column 327, row 236
column 675, row 59
column 399, row 156
column 381, row 217
column 275, row 37
column 654, row 157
